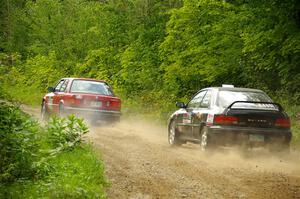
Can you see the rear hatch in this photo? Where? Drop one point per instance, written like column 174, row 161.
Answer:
column 253, row 114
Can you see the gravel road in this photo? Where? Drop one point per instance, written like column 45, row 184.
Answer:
column 140, row 164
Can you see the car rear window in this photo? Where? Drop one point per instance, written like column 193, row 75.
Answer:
column 93, row 87
column 225, row 98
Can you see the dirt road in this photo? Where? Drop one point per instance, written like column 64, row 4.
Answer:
column 140, row 164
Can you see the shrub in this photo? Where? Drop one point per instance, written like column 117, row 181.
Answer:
column 66, row 133
column 18, row 143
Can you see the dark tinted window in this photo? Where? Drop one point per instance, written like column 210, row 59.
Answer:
column 85, row 86
column 225, row 98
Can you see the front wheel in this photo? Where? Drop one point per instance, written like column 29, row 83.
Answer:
column 173, row 135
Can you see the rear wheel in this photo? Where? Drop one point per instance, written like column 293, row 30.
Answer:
column 206, row 143
column 61, row 110
column 44, row 112
column 173, row 135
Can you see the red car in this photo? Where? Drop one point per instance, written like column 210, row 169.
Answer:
column 90, row 98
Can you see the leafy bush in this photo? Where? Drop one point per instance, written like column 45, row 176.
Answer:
column 66, row 133
column 46, row 162
column 18, row 143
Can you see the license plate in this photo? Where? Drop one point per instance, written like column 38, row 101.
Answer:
column 256, row 138
column 96, row 103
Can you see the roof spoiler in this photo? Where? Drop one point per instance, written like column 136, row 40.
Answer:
column 253, row 102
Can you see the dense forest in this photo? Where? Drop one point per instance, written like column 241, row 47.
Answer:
column 152, row 52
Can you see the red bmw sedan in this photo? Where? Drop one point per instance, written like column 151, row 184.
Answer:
column 88, row 98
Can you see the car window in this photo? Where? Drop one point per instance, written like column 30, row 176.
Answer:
column 195, row 102
column 94, row 87
column 206, row 100
column 225, row 98
column 64, row 86
column 57, row 88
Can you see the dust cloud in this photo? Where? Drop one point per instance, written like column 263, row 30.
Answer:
column 259, row 159
column 139, row 161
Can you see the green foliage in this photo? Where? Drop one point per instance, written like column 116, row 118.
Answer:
column 78, row 174
column 39, row 162
column 66, row 134
column 74, row 174
column 152, row 52
column 19, row 143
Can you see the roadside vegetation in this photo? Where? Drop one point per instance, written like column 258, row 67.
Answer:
column 48, row 161
column 153, row 52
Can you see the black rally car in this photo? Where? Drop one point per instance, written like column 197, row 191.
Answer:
column 219, row 116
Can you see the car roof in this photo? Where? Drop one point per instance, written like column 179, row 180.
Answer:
column 81, row 78
column 234, row 89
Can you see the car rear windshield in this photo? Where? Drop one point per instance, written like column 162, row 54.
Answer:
column 93, row 87
column 226, row 98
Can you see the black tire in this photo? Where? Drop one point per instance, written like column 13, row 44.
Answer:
column 44, row 112
column 173, row 135
column 206, row 143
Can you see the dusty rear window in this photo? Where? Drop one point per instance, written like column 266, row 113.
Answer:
column 225, row 98
column 85, row 86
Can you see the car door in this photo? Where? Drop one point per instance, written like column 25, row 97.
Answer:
column 199, row 114
column 57, row 94
column 62, row 95
column 186, row 124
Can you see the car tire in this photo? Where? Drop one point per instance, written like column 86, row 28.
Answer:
column 44, row 112
column 206, row 143
column 173, row 135
column 61, row 111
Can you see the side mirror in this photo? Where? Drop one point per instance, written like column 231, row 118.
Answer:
column 51, row 89
column 180, row 105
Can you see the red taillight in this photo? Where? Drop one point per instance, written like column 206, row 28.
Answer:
column 115, row 104
column 225, row 120
column 282, row 122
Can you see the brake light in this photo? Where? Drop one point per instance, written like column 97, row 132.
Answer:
column 115, row 104
column 225, row 120
column 282, row 122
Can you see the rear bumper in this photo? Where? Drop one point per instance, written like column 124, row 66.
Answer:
column 94, row 113
column 236, row 135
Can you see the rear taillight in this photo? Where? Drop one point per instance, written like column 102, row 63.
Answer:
column 225, row 120
column 115, row 104
column 283, row 122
